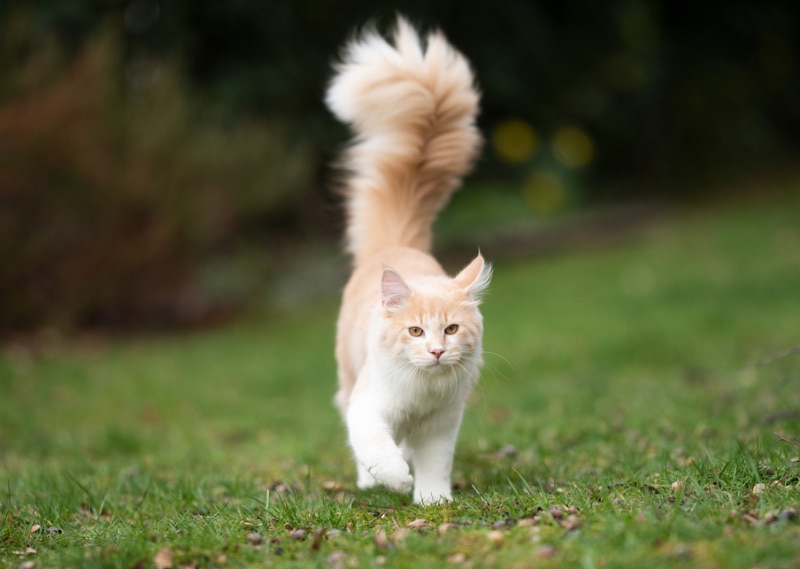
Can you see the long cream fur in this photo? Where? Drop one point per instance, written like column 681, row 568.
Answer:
column 413, row 106
column 409, row 338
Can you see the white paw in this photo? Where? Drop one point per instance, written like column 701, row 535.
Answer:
column 394, row 474
column 431, row 496
column 365, row 479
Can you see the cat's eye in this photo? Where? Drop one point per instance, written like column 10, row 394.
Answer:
column 415, row 331
column 452, row 329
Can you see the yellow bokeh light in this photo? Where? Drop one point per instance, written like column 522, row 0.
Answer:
column 545, row 192
column 515, row 141
column 573, row 147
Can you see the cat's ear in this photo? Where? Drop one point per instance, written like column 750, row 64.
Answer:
column 394, row 290
column 475, row 277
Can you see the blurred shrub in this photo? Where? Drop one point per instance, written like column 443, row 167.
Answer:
column 114, row 185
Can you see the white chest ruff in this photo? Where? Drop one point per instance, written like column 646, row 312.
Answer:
column 412, row 402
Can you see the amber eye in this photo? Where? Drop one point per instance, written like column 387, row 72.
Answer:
column 452, row 329
column 415, row 331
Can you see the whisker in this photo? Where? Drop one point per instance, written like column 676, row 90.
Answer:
column 496, row 371
column 500, row 356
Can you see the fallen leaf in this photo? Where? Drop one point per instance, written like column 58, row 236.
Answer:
column 298, row 534
column 399, row 535
column 382, row 541
column 750, row 519
column 545, row 551
column 317, row 537
column 496, row 536
column 571, row 523
column 163, row 559
column 457, row 558
column 419, row 523
column 505, row 523
column 508, row 451
column 336, row 559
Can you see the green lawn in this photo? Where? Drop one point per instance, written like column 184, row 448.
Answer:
column 639, row 408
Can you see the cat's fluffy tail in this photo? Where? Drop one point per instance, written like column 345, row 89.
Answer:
column 412, row 104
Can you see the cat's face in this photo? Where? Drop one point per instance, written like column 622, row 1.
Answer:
column 434, row 323
column 435, row 333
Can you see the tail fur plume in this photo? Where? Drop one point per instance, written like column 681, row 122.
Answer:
column 412, row 105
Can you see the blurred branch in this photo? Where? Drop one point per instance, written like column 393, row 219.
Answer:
column 773, row 357
column 783, row 439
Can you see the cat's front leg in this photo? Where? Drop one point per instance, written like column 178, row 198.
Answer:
column 432, row 457
column 393, row 472
column 379, row 459
column 365, row 479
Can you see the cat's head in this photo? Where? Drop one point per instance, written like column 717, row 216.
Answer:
column 434, row 322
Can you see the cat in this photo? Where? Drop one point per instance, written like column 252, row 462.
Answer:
column 409, row 337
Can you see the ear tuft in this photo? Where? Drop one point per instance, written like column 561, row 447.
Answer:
column 394, row 290
column 475, row 277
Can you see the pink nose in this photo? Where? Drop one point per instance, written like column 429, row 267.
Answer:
column 437, row 352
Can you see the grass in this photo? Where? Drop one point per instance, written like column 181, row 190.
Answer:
column 629, row 415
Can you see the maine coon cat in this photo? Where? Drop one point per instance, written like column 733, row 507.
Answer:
column 409, row 337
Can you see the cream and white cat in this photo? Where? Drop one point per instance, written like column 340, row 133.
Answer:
column 408, row 336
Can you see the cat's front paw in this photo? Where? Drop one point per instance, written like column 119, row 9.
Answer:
column 365, row 479
column 429, row 496
column 394, row 474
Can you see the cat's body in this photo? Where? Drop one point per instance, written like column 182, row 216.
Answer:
column 408, row 336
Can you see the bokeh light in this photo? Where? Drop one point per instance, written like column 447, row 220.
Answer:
column 572, row 147
column 515, row 141
column 545, row 192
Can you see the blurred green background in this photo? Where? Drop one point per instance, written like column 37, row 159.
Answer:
column 167, row 164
